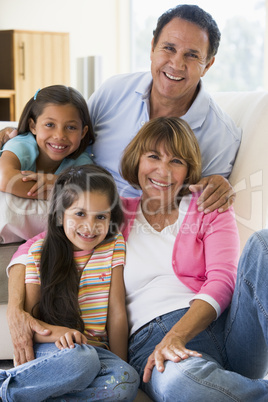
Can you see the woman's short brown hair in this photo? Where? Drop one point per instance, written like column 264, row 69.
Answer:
column 178, row 140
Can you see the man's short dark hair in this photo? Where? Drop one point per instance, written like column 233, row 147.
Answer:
column 197, row 16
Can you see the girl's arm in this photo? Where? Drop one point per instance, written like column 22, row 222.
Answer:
column 14, row 182
column 62, row 336
column 117, row 325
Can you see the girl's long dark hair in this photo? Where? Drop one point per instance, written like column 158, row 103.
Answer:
column 59, row 276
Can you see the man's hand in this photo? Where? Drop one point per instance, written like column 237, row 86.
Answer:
column 22, row 327
column 6, row 134
column 217, row 194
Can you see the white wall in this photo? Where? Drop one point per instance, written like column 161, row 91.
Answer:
column 96, row 27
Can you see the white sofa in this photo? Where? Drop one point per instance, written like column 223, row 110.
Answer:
column 249, row 111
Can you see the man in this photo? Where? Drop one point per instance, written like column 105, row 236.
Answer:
column 183, row 49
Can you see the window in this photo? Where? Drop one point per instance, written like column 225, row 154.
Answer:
column 239, row 64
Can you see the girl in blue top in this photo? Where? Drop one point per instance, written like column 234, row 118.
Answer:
column 55, row 130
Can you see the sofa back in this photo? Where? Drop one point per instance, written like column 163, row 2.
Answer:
column 249, row 110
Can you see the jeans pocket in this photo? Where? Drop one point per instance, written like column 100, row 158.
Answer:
column 137, row 341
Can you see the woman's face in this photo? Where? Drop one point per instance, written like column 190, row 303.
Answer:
column 161, row 175
column 86, row 221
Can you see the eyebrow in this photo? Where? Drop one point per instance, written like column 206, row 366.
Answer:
column 174, row 45
column 54, row 119
column 108, row 211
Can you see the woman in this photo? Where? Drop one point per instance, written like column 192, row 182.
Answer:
column 180, row 276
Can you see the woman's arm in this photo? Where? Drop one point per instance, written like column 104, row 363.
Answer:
column 117, row 326
column 172, row 347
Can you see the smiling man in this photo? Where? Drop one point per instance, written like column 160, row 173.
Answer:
column 183, row 49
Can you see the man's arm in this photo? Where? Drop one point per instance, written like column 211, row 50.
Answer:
column 21, row 324
column 217, row 193
column 6, row 134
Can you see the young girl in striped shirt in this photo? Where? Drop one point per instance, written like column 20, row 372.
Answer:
column 74, row 286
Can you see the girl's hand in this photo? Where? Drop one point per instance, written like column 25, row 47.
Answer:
column 170, row 348
column 71, row 337
column 43, row 185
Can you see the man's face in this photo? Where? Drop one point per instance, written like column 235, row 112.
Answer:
column 179, row 60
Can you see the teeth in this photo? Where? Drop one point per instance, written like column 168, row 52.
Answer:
column 57, row 146
column 173, row 78
column 86, row 236
column 159, row 184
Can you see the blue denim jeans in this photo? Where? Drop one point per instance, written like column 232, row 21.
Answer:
column 234, row 348
column 84, row 373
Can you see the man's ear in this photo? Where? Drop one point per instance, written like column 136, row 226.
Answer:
column 152, row 48
column 32, row 126
column 209, row 64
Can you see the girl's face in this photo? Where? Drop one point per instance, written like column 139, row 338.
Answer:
column 58, row 131
column 86, row 221
column 161, row 175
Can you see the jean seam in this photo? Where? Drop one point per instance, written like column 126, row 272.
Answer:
column 209, row 385
column 249, row 284
column 262, row 241
column 210, row 333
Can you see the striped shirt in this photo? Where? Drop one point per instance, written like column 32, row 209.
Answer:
column 94, row 286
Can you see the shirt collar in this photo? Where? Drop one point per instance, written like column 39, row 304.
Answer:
column 197, row 113
column 144, row 86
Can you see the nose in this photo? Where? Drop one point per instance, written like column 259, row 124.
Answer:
column 178, row 61
column 164, row 169
column 88, row 225
column 59, row 133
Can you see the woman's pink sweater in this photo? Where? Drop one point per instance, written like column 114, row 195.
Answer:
column 206, row 250
column 205, row 253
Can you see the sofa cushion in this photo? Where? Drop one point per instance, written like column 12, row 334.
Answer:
column 21, row 218
column 6, row 252
column 250, row 173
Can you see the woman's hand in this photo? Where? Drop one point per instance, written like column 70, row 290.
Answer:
column 71, row 337
column 44, row 183
column 217, row 193
column 170, row 348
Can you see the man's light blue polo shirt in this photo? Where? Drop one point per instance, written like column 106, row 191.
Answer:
column 120, row 107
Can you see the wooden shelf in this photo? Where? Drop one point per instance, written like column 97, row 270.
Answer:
column 7, row 105
column 31, row 60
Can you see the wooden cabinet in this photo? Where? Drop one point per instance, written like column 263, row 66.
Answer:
column 31, row 60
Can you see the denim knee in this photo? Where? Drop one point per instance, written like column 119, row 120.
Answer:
column 83, row 359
